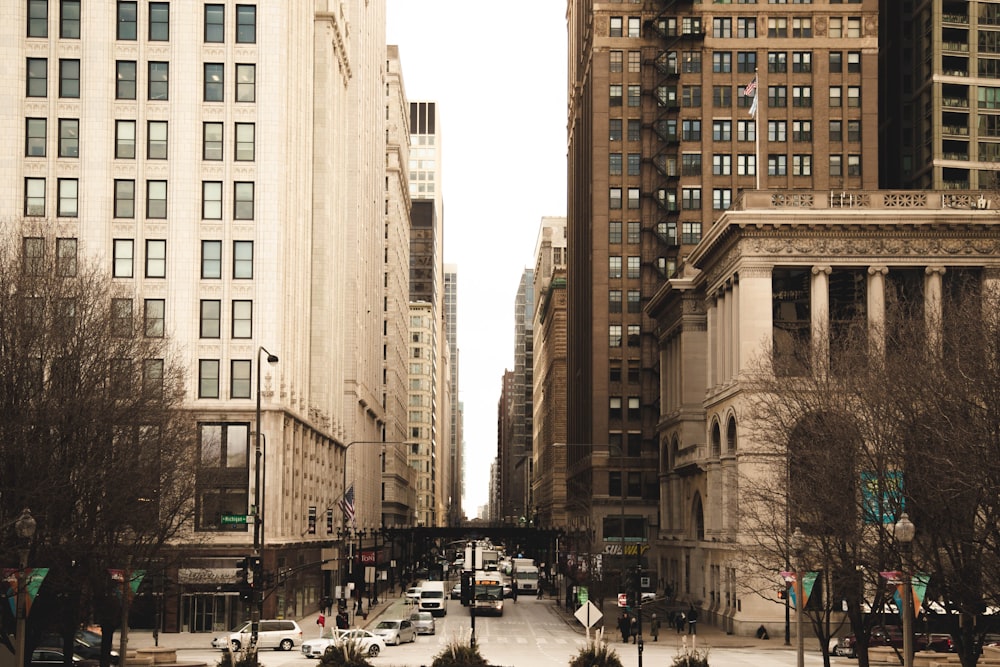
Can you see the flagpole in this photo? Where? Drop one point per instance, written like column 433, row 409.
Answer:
column 756, row 129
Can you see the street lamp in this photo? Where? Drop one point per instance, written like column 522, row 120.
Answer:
column 905, row 532
column 127, row 540
column 798, row 545
column 258, row 517
column 25, row 529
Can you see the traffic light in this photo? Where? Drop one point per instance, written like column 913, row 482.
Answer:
column 242, row 571
column 782, row 593
column 256, row 570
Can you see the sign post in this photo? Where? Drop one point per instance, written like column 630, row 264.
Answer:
column 588, row 614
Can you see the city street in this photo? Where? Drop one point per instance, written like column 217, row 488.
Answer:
column 531, row 633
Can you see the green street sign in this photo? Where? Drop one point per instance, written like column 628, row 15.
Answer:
column 229, row 519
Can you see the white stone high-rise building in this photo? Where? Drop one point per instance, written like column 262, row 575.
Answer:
column 226, row 161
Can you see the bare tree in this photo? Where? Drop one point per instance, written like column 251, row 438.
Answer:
column 91, row 434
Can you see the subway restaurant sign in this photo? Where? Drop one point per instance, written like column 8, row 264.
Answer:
column 630, row 549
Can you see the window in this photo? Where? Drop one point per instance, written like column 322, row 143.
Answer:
column 614, row 267
column 836, row 62
column 633, row 198
column 615, row 129
column 854, row 96
column 246, row 83
column 125, row 80
column 690, row 233
column 159, row 21
column 125, row 140
column 802, row 96
column 722, row 28
column 722, row 164
column 722, row 199
column 69, row 19
column 634, row 130
column 38, row 18
column 836, row 165
column 38, row 77
column 777, row 165
column 777, row 96
column 155, row 314
column 777, row 27
column 124, row 198
column 224, row 463
column 722, row 130
column 746, row 62
column 211, row 200
column 615, row 232
column 243, row 201
column 777, row 61
column 802, row 27
column 211, row 259
column 156, row 199
column 33, row 256
column 802, row 61
column 722, row 61
column 615, row 301
column 746, row 27
column 242, row 319
column 69, row 137
column 836, row 130
column 801, row 130
column 242, row 260
column 246, row 24
column 615, row 199
column 853, row 165
column 691, row 62
column 123, row 251
column 616, row 61
column 615, row 95
column 214, row 82
column 634, row 163
column 634, row 232
column 152, row 377
column 615, row 335
column 208, row 378
column 34, row 137
column 239, row 380
column 66, row 257
column 854, row 27
column 634, row 26
column 159, row 81
column 836, row 29
column 634, row 303
column 616, row 26
column 691, row 130
column 746, row 130
column 615, row 164
column 691, row 164
column 691, row 199
column 722, row 97
column 121, row 317
column 854, row 61
column 854, row 131
column 212, row 141
column 210, row 319
column 34, row 197
column 156, row 141
column 746, row 164
column 156, row 258
column 777, row 130
column 128, row 26
column 801, row 165
column 634, row 62
column 835, row 96
column 68, row 194
column 215, row 16
column 634, row 96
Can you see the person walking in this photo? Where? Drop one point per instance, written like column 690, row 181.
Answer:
column 623, row 627
column 692, row 619
column 679, row 622
column 654, row 626
column 634, row 629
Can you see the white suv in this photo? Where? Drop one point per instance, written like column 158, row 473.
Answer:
column 283, row 635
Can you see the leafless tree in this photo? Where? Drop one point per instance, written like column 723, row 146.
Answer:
column 91, row 436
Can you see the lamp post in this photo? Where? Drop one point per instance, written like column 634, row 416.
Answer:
column 905, row 532
column 25, row 529
column 128, row 536
column 798, row 548
column 258, row 516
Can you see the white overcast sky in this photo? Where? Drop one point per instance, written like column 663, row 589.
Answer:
column 498, row 74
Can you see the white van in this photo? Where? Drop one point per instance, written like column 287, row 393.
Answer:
column 276, row 634
column 432, row 598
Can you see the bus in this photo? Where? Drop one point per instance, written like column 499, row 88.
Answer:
column 487, row 597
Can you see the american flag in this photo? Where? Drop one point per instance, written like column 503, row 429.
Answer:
column 347, row 504
column 751, row 87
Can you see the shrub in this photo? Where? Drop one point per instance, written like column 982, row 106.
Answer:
column 348, row 654
column 458, row 653
column 596, row 653
column 691, row 658
column 231, row 658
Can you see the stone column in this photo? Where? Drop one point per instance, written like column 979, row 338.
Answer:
column 876, row 310
column 932, row 305
column 819, row 311
column 756, row 321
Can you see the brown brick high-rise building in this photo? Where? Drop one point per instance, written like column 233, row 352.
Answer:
column 661, row 143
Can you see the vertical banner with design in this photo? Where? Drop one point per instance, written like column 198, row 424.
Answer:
column 118, row 576
column 33, row 578
column 918, row 589
column 808, row 584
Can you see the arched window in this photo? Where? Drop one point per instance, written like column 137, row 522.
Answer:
column 731, row 438
column 698, row 517
column 716, row 439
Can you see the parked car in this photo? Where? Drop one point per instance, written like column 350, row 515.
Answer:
column 50, row 657
column 423, row 622
column 891, row 635
column 413, row 595
column 315, row 648
column 396, row 631
column 86, row 644
column 277, row 634
column 456, row 591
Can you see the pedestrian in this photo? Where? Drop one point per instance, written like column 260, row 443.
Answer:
column 633, row 625
column 654, row 626
column 623, row 627
column 692, row 619
column 513, row 592
column 342, row 623
column 679, row 622
column 540, row 593
column 321, row 622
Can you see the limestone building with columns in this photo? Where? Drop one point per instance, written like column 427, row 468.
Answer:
column 780, row 266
